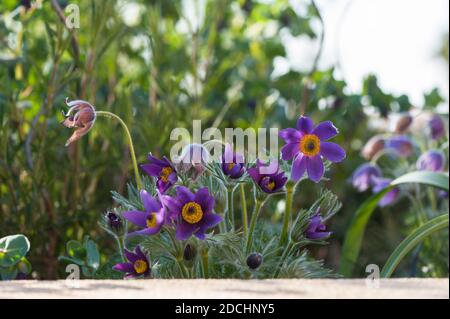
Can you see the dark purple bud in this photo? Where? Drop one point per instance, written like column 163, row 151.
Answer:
column 316, row 229
column 113, row 220
column 437, row 127
column 190, row 252
column 403, row 124
column 432, row 160
column 254, row 261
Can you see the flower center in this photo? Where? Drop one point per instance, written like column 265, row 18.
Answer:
column 231, row 166
column 270, row 185
column 151, row 220
column 192, row 213
column 310, row 145
column 140, row 266
column 165, row 173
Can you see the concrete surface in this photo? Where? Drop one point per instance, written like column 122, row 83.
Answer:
column 227, row 289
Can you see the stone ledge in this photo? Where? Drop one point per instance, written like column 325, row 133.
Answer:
column 227, row 289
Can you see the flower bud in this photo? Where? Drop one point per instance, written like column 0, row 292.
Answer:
column 432, row 160
column 373, row 146
column 190, row 252
column 254, row 261
column 113, row 220
column 437, row 127
column 401, row 144
column 403, row 124
column 80, row 116
column 192, row 160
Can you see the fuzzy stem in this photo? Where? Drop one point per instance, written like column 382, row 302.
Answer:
column 255, row 214
column 288, row 213
column 205, row 262
column 244, row 210
column 230, row 207
column 130, row 143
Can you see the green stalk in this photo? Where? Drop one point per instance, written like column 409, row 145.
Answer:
column 130, row 143
column 288, row 213
column 255, row 214
column 205, row 263
column 230, row 207
column 244, row 210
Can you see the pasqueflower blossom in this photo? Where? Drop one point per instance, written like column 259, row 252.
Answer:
column 380, row 184
column 401, row 144
column 137, row 266
column 432, row 160
column 308, row 146
column 268, row 182
column 316, row 228
column 232, row 163
column 81, row 116
column 437, row 127
column 362, row 177
column 152, row 219
column 192, row 213
column 163, row 170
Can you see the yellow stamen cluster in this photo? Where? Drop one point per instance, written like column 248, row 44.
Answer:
column 165, row 173
column 140, row 266
column 151, row 220
column 271, row 185
column 192, row 213
column 231, row 166
column 310, row 145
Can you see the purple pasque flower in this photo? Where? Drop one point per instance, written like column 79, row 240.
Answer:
column 268, row 177
column 307, row 145
column 163, row 170
column 437, row 127
column 138, row 264
column 362, row 176
column 432, row 160
column 316, row 228
column 401, row 144
column 379, row 184
column 152, row 219
column 192, row 213
column 232, row 163
column 81, row 116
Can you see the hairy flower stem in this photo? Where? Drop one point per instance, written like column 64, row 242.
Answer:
column 230, row 217
column 290, row 189
column 255, row 214
column 205, row 262
column 130, row 143
column 244, row 210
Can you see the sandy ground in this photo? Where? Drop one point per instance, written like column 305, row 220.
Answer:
column 227, row 289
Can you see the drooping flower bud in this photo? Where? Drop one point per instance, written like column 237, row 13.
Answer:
column 113, row 220
column 401, row 144
column 254, row 261
column 81, row 116
column 403, row 124
column 192, row 160
column 437, row 127
column 373, row 146
column 362, row 177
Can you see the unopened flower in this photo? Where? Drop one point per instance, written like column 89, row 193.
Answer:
column 192, row 160
column 308, row 145
column 401, row 145
column 380, row 184
column 268, row 182
column 372, row 147
column 432, row 160
column 138, row 264
column 403, row 124
column 163, row 170
column 316, row 228
column 152, row 219
column 113, row 220
column 232, row 163
column 254, row 261
column 81, row 116
column 362, row 177
column 192, row 213
column 190, row 252
column 437, row 127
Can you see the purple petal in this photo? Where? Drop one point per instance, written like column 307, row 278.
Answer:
column 124, row 267
column 298, row 167
column 325, row 130
column 151, row 169
column 305, row 125
column 254, row 174
column 157, row 161
column 184, row 195
column 205, row 200
column 228, row 154
column 139, row 253
column 150, row 204
column 132, row 257
column 389, row 198
column 332, row 152
column 136, row 217
column 290, row 135
column 317, row 235
column 147, row 231
column 289, row 151
column 172, row 204
column 184, row 231
column 315, row 168
column 210, row 221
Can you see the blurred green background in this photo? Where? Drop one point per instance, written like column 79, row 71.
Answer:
column 159, row 69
